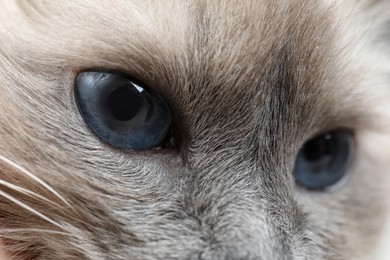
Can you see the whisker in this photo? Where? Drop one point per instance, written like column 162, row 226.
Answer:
column 24, row 191
column 32, row 176
column 25, row 206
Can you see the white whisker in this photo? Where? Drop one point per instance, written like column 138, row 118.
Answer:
column 24, row 191
column 35, row 212
column 32, row 176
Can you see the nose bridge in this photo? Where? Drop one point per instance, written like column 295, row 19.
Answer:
column 245, row 211
column 220, row 128
column 235, row 226
column 223, row 197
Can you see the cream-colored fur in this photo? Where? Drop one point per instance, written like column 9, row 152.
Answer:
column 249, row 82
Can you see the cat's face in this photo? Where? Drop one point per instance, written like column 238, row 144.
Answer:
column 247, row 83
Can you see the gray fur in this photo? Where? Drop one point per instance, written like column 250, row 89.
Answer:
column 248, row 82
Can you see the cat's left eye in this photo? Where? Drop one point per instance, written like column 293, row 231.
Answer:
column 324, row 160
column 122, row 112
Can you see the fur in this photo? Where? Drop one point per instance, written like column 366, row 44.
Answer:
column 248, row 83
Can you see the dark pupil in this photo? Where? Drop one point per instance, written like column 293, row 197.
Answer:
column 124, row 103
column 319, row 148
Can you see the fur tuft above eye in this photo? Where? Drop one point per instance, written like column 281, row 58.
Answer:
column 121, row 112
column 324, row 160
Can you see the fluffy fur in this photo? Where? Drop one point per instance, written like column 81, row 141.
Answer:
column 248, row 82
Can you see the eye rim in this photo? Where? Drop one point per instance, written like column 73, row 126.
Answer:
column 349, row 167
column 172, row 140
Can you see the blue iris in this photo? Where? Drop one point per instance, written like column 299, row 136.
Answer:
column 122, row 112
column 324, row 160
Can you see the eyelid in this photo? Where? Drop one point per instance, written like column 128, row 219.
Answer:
column 121, row 131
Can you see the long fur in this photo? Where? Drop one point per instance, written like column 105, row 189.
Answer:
column 248, row 82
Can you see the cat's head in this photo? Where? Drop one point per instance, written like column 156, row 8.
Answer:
column 256, row 129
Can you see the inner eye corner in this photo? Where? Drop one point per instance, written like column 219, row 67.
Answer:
column 124, row 112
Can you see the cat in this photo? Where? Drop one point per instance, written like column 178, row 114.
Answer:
column 202, row 129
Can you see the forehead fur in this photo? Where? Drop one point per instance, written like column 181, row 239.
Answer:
column 196, row 51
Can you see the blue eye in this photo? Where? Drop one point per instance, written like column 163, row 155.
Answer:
column 122, row 112
column 324, row 160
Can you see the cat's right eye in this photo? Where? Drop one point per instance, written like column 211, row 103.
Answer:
column 123, row 113
column 324, row 160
